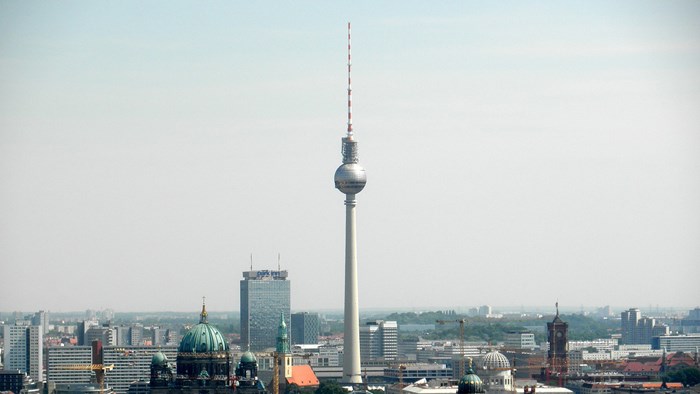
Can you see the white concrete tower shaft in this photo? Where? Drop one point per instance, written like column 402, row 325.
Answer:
column 350, row 179
column 351, row 341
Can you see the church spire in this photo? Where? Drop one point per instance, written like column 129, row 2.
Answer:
column 203, row 315
column 282, row 339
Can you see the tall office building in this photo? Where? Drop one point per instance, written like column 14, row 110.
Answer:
column 264, row 296
column 350, row 179
column 379, row 340
column 82, row 328
column 305, row 328
column 41, row 318
column 691, row 324
column 103, row 334
column 638, row 329
column 24, row 349
column 485, row 310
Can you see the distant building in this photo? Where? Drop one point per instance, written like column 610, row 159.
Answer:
column 61, row 360
column 103, row 334
column 82, row 328
column 24, row 349
column 677, row 343
column 520, row 340
column 603, row 344
column 485, row 310
column 41, row 318
column 638, row 329
column 379, row 341
column 264, row 295
column 136, row 335
column 691, row 324
column 605, row 311
column 305, row 328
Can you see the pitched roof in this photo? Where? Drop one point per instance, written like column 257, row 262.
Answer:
column 635, row 366
column 303, row 376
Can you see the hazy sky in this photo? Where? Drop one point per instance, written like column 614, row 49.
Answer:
column 517, row 152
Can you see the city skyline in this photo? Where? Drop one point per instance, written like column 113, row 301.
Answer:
column 548, row 150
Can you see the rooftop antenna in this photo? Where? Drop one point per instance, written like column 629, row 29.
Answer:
column 350, row 133
column 278, row 262
column 251, row 261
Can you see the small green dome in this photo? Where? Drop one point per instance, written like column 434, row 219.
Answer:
column 248, row 357
column 470, row 383
column 159, row 359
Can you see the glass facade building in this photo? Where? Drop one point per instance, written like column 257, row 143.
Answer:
column 305, row 328
column 265, row 295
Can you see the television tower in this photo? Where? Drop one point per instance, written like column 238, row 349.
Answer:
column 350, row 179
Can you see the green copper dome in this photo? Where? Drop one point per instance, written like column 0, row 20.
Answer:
column 248, row 357
column 203, row 338
column 470, row 383
column 159, row 359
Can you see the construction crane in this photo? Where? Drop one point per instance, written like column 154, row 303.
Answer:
column 275, row 373
column 401, row 369
column 461, row 342
column 99, row 370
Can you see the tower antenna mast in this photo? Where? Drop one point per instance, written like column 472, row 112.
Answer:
column 350, row 133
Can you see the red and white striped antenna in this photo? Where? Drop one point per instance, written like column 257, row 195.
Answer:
column 349, row 86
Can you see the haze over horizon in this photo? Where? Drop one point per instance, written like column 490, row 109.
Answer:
column 516, row 153
column 545, row 310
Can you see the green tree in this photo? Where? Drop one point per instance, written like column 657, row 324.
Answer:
column 330, row 387
column 689, row 376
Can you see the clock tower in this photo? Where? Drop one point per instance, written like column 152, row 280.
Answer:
column 558, row 339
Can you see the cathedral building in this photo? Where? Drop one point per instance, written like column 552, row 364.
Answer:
column 203, row 363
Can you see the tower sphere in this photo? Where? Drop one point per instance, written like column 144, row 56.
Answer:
column 350, row 178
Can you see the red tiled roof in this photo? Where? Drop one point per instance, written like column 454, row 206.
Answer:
column 303, row 376
column 634, row 366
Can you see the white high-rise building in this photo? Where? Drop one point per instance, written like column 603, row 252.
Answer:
column 24, row 349
column 379, row 340
column 638, row 329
